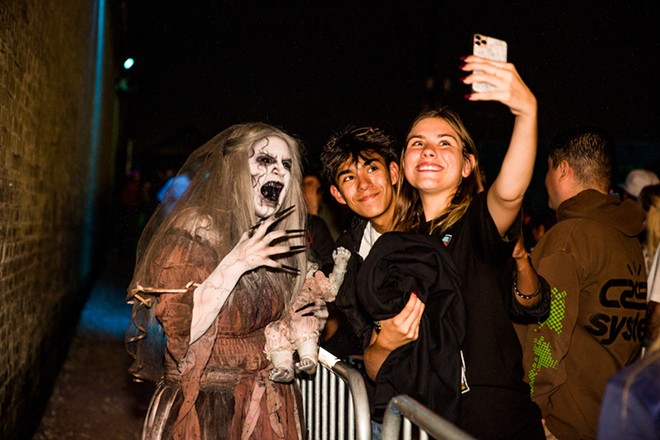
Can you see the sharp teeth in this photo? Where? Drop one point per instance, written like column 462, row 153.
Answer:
column 271, row 191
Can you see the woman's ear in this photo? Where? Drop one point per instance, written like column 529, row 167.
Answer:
column 468, row 165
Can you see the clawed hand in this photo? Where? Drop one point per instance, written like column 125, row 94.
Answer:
column 317, row 308
column 255, row 248
column 278, row 215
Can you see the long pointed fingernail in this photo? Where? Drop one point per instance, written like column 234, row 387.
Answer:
column 306, row 306
column 297, row 247
column 292, row 269
column 256, row 226
column 283, row 212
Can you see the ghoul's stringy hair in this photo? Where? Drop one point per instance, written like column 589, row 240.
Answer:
column 217, row 207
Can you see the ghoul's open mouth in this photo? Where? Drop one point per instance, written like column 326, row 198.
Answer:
column 271, row 191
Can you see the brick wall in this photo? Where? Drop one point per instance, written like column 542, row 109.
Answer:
column 47, row 129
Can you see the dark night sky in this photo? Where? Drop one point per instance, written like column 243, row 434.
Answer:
column 311, row 67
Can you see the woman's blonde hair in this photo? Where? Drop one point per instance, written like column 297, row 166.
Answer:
column 650, row 200
column 409, row 213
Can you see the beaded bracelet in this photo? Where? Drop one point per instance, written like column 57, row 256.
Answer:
column 522, row 295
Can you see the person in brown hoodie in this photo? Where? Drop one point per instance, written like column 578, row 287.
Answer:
column 595, row 267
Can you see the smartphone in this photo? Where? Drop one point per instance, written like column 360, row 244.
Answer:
column 491, row 48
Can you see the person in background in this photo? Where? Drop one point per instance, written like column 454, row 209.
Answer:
column 594, row 264
column 649, row 198
column 631, row 405
column 319, row 238
column 314, row 193
column 215, row 265
column 535, row 224
column 636, row 180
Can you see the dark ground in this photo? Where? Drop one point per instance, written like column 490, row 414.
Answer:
column 94, row 396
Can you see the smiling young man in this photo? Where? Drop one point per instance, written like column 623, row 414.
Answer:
column 361, row 167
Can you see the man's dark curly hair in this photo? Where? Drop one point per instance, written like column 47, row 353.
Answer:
column 353, row 143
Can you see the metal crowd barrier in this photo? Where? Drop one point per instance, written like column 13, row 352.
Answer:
column 425, row 422
column 335, row 401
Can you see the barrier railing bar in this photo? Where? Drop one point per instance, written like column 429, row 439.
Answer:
column 329, row 411
column 425, row 419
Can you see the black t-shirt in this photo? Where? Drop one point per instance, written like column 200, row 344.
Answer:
column 498, row 404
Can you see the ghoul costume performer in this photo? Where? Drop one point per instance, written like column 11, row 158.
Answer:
column 214, row 268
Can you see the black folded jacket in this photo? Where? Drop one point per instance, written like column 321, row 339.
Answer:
column 428, row 369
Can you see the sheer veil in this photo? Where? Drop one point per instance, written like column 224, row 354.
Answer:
column 213, row 211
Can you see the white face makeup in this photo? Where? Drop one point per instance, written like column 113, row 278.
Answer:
column 270, row 168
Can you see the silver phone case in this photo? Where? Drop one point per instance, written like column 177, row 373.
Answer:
column 491, row 48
